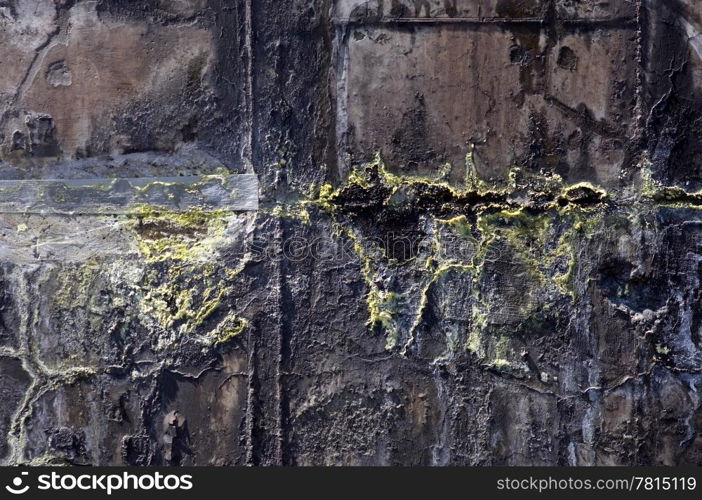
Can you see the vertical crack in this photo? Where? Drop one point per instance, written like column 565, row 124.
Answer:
column 44, row 379
column 248, row 43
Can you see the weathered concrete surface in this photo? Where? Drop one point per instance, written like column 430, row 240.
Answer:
column 88, row 78
column 477, row 239
column 425, row 93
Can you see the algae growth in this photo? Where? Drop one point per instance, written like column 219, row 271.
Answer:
column 534, row 223
column 186, row 292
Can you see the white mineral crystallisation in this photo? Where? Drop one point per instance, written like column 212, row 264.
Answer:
column 73, row 219
column 236, row 192
column 76, row 236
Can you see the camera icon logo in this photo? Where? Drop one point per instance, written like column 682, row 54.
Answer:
column 16, row 488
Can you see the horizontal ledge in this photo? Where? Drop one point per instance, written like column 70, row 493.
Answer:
column 442, row 20
column 614, row 22
column 124, row 196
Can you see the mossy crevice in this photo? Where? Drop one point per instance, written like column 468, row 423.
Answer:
column 184, row 236
column 185, row 290
column 539, row 220
column 653, row 190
